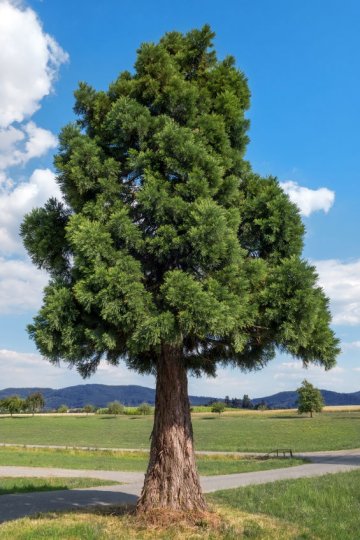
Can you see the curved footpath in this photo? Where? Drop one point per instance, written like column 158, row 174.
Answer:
column 20, row 505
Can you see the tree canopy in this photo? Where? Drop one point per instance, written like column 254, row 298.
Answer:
column 310, row 399
column 164, row 233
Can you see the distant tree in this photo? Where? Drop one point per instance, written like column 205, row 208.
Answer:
column 63, row 409
column 13, row 404
column 115, row 408
column 227, row 401
column 261, row 406
column 144, row 408
column 236, row 403
column 310, row 399
column 246, row 402
column 34, row 402
column 218, row 407
column 88, row 408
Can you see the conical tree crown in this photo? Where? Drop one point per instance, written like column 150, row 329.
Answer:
column 164, row 234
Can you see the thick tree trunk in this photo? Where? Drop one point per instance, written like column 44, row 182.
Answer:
column 172, row 480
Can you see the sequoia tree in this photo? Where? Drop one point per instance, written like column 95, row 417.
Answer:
column 167, row 251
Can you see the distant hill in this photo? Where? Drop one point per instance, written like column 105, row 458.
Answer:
column 96, row 394
column 100, row 395
column 288, row 400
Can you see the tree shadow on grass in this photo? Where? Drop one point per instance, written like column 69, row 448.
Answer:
column 208, row 418
column 31, row 489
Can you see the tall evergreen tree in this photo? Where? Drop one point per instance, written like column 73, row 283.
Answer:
column 167, row 251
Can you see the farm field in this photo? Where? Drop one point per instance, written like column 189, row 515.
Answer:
column 131, row 461
column 230, row 432
column 328, row 506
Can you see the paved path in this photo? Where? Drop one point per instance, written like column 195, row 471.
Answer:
column 19, row 505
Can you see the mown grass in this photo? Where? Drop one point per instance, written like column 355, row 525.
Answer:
column 123, row 525
column 233, row 432
column 328, row 506
column 25, row 485
column 130, row 461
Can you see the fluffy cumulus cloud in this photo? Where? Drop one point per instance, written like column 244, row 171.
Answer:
column 292, row 373
column 17, row 201
column 21, row 286
column 341, row 282
column 29, row 63
column 20, row 144
column 18, row 368
column 29, row 60
column 309, row 200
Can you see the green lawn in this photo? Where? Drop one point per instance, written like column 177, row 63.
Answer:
column 328, row 506
column 233, row 432
column 25, row 485
column 129, row 461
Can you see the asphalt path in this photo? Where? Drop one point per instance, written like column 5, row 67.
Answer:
column 19, row 505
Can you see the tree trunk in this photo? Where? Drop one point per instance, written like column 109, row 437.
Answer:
column 172, row 480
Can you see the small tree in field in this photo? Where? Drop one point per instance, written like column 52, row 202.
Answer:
column 115, row 408
column 218, row 407
column 310, row 399
column 63, row 409
column 34, row 402
column 167, row 251
column 13, row 404
column 144, row 408
column 88, row 408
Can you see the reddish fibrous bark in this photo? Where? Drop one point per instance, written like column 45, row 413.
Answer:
column 172, row 481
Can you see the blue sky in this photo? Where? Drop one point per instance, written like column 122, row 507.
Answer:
column 302, row 63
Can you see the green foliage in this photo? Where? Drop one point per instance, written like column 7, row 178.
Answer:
column 13, row 405
column 63, row 409
column 144, row 408
column 34, row 402
column 218, row 407
column 88, row 408
column 115, row 408
column 310, row 399
column 165, row 235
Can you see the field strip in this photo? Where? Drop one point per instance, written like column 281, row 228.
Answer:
column 20, row 505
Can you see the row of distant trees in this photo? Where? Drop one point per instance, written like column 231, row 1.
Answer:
column 15, row 404
column 310, row 400
column 35, row 402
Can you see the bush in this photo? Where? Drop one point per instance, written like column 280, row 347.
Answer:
column 63, row 409
column 218, row 407
column 144, row 408
column 115, row 408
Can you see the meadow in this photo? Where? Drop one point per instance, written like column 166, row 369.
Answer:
column 235, row 431
column 131, row 461
column 28, row 485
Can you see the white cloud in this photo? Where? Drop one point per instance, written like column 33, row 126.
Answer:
column 341, row 282
column 19, row 145
column 21, row 286
column 18, row 200
column 29, row 61
column 309, row 200
column 25, row 369
column 295, row 372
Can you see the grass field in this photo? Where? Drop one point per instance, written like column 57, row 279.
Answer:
column 323, row 508
column 233, row 432
column 328, row 506
column 25, row 485
column 130, row 461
